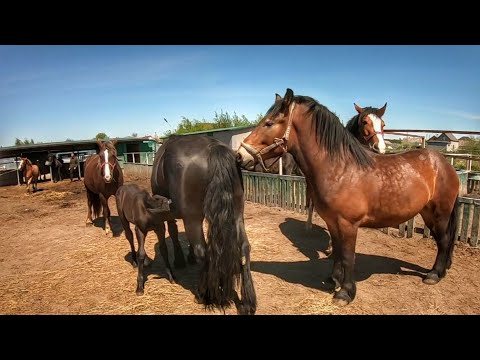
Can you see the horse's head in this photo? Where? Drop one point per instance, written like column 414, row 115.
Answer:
column 108, row 159
column 270, row 138
column 23, row 163
column 370, row 125
column 158, row 204
column 50, row 159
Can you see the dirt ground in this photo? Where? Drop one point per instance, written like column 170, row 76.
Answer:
column 51, row 263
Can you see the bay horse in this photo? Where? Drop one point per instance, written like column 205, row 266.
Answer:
column 102, row 177
column 56, row 165
column 201, row 176
column 30, row 173
column 367, row 126
column 353, row 187
column 146, row 212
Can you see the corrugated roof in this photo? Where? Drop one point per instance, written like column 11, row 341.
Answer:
column 75, row 145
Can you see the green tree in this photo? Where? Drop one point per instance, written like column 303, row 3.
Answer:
column 26, row 142
column 18, row 142
column 101, row 135
column 31, row 141
column 134, row 134
column 68, row 139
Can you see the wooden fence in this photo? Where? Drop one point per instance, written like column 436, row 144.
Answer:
column 288, row 192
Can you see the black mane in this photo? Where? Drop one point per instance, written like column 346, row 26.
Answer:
column 339, row 142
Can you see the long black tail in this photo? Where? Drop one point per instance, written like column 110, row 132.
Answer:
column 96, row 203
column 223, row 256
column 452, row 232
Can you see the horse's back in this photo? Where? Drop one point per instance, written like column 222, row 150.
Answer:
column 180, row 172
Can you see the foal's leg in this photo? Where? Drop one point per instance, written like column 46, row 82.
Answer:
column 344, row 237
column 160, row 231
column 140, row 260
column 129, row 236
column 179, row 261
column 437, row 221
column 106, row 214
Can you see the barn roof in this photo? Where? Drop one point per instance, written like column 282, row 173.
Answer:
column 63, row 146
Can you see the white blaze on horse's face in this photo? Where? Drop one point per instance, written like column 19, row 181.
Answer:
column 377, row 127
column 108, row 176
column 21, row 165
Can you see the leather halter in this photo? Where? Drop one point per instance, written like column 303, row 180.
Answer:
column 282, row 142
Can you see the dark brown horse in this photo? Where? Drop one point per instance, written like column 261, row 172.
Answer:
column 204, row 181
column 146, row 212
column 352, row 187
column 103, row 176
column 30, row 173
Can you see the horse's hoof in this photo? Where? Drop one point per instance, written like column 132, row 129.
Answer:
column 341, row 298
column 147, row 262
column 340, row 302
column 139, row 292
column 431, row 279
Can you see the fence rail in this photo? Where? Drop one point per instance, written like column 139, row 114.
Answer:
column 288, row 192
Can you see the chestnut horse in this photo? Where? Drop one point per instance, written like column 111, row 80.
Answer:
column 353, row 187
column 103, row 176
column 30, row 173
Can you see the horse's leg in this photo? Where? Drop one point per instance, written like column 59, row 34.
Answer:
column 248, row 304
column 106, row 214
column 179, row 261
column 89, row 220
column 196, row 239
column 437, row 220
column 160, row 231
column 28, row 184
column 140, row 260
column 344, row 237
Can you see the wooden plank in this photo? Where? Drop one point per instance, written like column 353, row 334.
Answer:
column 401, row 229
column 459, row 219
column 475, row 225
column 410, row 225
column 465, row 220
column 426, row 231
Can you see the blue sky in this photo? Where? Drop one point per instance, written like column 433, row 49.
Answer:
column 51, row 93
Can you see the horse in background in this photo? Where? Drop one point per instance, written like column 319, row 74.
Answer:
column 201, row 176
column 102, row 178
column 30, row 173
column 56, row 166
column 353, row 187
column 146, row 212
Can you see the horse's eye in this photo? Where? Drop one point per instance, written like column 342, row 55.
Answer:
column 269, row 123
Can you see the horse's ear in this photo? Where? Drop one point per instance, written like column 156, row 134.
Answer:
column 114, row 142
column 358, row 108
column 288, row 98
column 277, row 97
column 381, row 111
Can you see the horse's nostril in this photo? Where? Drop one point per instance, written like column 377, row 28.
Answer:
column 239, row 157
